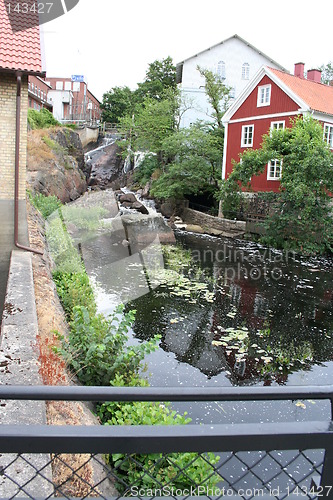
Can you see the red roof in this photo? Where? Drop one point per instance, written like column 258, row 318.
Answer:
column 317, row 96
column 20, row 48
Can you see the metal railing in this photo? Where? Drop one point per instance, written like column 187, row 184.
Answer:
column 270, row 460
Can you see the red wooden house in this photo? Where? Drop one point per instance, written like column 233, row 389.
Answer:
column 270, row 101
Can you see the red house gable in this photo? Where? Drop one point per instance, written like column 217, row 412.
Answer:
column 20, row 50
column 279, row 100
column 271, row 100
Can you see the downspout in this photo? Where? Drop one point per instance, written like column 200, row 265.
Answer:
column 17, row 168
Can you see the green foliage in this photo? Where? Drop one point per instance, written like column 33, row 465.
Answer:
column 45, row 204
column 326, row 72
column 303, row 220
column 152, row 122
column 41, row 119
column 74, row 289
column 64, row 254
column 217, row 93
column 160, row 77
column 178, row 470
column 193, row 163
column 96, row 348
column 117, row 103
column 143, row 173
column 84, row 218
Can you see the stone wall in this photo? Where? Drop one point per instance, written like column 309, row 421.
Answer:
column 208, row 221
column 88, row 135
column 8, row 91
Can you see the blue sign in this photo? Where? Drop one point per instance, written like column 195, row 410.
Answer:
column 77, row 78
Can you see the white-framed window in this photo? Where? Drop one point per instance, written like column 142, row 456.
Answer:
column 221, row 70
column 328, row 134
column 274, row 170
column 247, row 136
column 59, row 85
column 264, row 95
column 68, row 85
column 278, row 125
column 246, row 71
column 76, row 86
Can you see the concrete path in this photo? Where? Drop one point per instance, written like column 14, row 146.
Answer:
column 7, row 240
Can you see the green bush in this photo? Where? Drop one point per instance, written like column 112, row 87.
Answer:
column 74, row 289
column 143, row 173
column 97, row 347
column 45, row 204
column 149, row 471
column 65, row 255
column 41, row 119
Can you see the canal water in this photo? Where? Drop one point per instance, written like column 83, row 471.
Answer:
column 229, row 313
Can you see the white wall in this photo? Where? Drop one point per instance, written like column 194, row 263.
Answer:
column 57, row 98
column 234, row 53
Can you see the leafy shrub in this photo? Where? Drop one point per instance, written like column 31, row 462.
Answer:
column 143, row 173
column 45, row 204
column 96, row 348
column 41, row 119
column 84, row 217
column 178, row 470
column 65, row 255
column 74, row 289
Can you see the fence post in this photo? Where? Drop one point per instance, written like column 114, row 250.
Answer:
column 327, row 475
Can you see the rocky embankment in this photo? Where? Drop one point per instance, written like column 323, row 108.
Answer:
column 56, row 164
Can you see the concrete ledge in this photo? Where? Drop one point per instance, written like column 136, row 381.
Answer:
column 204, row 220
column 19, row 365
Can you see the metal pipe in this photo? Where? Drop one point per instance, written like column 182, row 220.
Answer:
column 17, row 168
column 90, row 393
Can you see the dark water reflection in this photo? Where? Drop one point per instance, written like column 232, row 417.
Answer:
column 285, row 302
column 252, row 288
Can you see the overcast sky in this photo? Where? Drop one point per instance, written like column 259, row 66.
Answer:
column 112, row 42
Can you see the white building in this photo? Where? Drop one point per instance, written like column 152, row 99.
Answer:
column 62, row 104
column 234, row 59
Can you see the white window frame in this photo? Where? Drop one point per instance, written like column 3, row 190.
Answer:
column 245, row 143
column 68, row 85
column 278, row 125
column 264, row 95
column 221, row 70
column 277, row 165
column 328, row 134
column 76, row 86
column 245, row 71
column 59, row 85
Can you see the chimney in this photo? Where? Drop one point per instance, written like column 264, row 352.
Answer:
column 299, row 70
column 314, row 75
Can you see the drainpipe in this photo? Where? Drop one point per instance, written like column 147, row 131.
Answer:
column 17, row 168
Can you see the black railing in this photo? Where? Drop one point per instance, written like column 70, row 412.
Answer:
column 270, row 460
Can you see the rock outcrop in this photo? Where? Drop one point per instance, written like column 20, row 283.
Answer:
column 55, row 162
column 106, row 167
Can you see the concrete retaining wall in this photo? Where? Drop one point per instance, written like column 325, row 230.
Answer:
column 88, row 135
column 217, row 223
column 19, row 366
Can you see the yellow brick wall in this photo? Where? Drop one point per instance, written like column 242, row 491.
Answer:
column 8, row 90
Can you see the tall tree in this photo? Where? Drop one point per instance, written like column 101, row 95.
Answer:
column 117, row 103
column 160, row 76
column 195, row 165
column 326, row 73
column 217, row 93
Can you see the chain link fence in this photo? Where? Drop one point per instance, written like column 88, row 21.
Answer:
column 271, row 460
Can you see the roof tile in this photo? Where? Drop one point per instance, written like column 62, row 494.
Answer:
column 318, row 96
column 20, row 48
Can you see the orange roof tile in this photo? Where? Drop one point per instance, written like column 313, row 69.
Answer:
column 20, row 48
column 318, row 96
